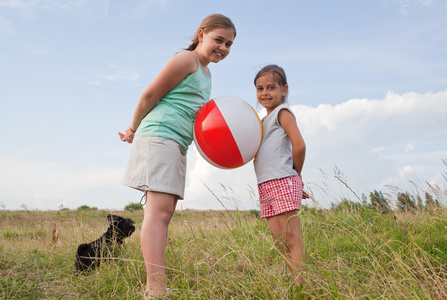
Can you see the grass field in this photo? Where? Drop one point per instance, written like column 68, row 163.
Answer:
column 353, row 254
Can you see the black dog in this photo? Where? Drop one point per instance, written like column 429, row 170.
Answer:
column 89, row 255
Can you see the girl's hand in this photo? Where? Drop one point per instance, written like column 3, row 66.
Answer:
column 305, row 195
column 128, row 137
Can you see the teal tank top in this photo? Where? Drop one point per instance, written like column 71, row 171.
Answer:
column 173, row 116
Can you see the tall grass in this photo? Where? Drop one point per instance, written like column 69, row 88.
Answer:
column 353, row 254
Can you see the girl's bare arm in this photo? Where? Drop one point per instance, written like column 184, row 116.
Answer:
column 176, row 69
column 288, row 122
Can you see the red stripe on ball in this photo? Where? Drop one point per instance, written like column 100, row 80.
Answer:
column 215, row 138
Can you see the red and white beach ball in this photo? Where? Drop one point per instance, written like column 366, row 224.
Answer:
column 227, row 132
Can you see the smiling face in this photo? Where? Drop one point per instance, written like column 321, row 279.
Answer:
column 269, row 92
column 214, row 45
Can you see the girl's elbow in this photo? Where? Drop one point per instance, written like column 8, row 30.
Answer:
column 148, row 98
column 146, row 95
column 301, row 147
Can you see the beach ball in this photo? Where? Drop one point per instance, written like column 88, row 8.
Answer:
column 227, row 132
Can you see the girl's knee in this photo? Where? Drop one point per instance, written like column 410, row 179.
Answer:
column 166, row 216
column 159, row 218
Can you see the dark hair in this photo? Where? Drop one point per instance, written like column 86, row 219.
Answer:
column 278, row 75
column 210, row 23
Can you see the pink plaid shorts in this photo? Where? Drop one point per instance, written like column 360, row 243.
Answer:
column 280, row 195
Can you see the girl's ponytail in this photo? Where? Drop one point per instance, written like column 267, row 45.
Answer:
column 194, row 44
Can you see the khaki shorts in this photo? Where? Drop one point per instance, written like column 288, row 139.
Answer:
column 156, row 164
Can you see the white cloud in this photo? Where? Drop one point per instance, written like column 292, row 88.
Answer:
column 211, row 187
column 425, row 2
column 118, row 73
column 409, row 148
column 373, row 142
column 406, row 4
column 403, row 173
column 122, row 75
column 97, row 8
column 396, row 119
column 38, row 48
column 92, row 8
column 18, row 3
column 6, row 27
column 46, row 184
column 377, row 149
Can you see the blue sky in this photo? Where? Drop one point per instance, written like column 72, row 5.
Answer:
column 367, row 81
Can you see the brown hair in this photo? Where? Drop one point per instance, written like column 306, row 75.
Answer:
column 210, row 23
column 278, row 75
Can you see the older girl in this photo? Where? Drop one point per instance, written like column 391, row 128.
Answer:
column 162, row 130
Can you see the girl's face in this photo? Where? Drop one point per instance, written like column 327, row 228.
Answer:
column 216, row 44
column 269, row 93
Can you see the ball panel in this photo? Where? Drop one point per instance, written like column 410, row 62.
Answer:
column 244, row 124
column 205, row 157
column 215, row 140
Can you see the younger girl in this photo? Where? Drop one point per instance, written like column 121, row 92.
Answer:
column 162, row 130
column 278, row 166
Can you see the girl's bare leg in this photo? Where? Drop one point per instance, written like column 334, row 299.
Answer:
column 286, row 231
column 158, row 212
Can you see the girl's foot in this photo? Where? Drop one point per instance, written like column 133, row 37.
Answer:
column 159, row 294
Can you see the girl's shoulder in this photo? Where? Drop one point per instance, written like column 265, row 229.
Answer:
column 184, row 60
column 280, row 108
column 283, row 112
column 283, row 106
column 186, row 54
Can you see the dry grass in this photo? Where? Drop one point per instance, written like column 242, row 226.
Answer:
column 229, row 255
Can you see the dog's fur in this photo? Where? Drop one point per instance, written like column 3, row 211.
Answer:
column 88, row 256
